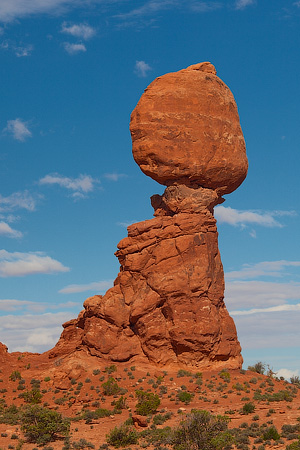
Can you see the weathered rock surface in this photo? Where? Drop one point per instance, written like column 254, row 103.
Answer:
column 186, row 129
column 167, row 303
column 166, row 306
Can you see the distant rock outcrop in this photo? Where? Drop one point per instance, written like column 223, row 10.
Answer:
column 166, row 306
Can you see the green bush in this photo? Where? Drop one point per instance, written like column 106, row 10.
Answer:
column 184, row 397
column 10, row 415
column 147, row 402
column 122, row 436
column 41, row 425
column 202, row 431
column 248, row 408
column 225, row 375
column 271, row 433
column 110, row 387
column 34, row 396
column 259, row 367
column 15, row 375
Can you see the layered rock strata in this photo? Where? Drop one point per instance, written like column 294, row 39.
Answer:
column 166, row 306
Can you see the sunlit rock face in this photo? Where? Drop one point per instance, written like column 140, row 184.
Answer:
column 186, row 130
column 166, row 307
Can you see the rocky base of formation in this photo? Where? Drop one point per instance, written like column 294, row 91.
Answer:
column 166, row 306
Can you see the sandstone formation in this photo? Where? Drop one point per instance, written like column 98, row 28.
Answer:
column 186, row 129
column 166, row 306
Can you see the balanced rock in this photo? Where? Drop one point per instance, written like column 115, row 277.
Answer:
column 167, row 304
column 186, row 129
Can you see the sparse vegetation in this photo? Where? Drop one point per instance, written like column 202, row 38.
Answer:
column 41, row 425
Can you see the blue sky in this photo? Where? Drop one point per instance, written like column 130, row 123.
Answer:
column 71, row 73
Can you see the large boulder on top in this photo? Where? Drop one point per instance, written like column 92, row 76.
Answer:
column 186, row 130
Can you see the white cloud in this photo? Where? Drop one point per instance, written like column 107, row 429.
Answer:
column 81, row 30
column 148, row 8
column 18, row 200
column 272, row 309
column 277, row 330
column 80, row 186
column 142, row 68
column 6, row 230
column 21, row 51
column 10, row 305
column 114, row 176
column 18, row 264
column 95, row 286
column 127, row 224
column 203, row 7
column 241, row 4
column 297, row 4
column 14, row 9
column 260, row 294
column 237, row 217
column 73, row 49
column 32, row 332
column 262, row 269
column 286, row 373
column 19, row 129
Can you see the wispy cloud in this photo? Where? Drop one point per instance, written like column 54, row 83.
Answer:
column 16, row 9
column 243, row 218
column 18, row 200
column 242, row 4
column 25, row 306
column 18, row 129
column 278, row 308
column 95, row 286
column 80, row 186
column 73, row 49
column 262, row 269
column 6, row 230
column 20, row 50
column 114, row 176
column 202, row 7
column 19, row 264
column 148, row 8
column 81, row 30
column 297, row 4
column 142, row 68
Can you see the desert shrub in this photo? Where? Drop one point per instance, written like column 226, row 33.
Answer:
column 258, row 367
column 293, row 446
column 41, row 425
column 110, row 387
column 184, row 397
column 271, row 433
column 15, row 375
column 34, row 396
column 82, row 444
column 248, row 408
column 202, row 431
column 159, row 419
column 122, row 436
column 295, row 380
column 10, row 415
column 147, row 402
column 110, row 369
column 120, row 403
column 183, row 373
column 35, row 383
column 225, row 375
